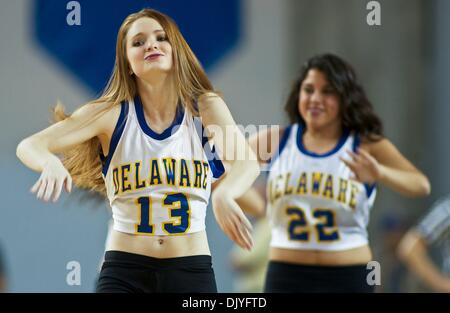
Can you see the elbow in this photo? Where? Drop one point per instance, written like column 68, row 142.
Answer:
column 25, row 147
column 421, row 187
column 409, row 245
column 424, row 187
column 21, row 148
column 405, row 248
column 402, row 251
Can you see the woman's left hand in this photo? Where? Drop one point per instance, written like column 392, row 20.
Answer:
column 231, row 219
column 365, row 167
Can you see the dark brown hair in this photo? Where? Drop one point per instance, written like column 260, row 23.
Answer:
column 356, row 110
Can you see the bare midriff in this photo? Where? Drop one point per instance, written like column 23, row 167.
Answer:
column 160, row 246
column 357, row 256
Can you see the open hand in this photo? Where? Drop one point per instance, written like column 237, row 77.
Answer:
column 231, row 219
column 365, row 167
column 53, row 177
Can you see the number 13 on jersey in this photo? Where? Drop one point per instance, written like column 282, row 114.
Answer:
column 178, row 206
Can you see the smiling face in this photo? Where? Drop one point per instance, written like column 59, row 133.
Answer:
column 319, row 102
column 148, row 49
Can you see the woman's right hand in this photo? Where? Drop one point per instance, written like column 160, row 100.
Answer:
column 54, row 175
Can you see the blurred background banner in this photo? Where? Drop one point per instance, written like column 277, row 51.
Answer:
column 252, row 50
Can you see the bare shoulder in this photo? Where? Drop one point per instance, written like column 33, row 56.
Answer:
column 109, row 117
column 209, row 96
column 214, row 112
column 385, row 152
column 209, row 100
column 108, row 121
column 106, row 116
column 377, row 147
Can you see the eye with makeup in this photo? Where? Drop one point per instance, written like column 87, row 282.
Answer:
column 141, row 41
column 138, row 43
column 161, row 37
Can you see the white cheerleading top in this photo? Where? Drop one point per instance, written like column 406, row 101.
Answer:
column 159, row 184
column 312, row 203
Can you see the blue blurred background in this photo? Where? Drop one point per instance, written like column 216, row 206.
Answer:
column 252, row 51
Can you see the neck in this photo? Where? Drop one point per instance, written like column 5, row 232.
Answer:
column 158, row 96
column 329, row 132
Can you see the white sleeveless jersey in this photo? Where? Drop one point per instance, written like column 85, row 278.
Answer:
column 312, row 203
column 159, row 184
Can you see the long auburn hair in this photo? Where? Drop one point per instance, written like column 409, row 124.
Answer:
column 357, row 112
column 191, row 82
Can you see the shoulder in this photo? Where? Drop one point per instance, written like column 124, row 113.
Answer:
column 377, row 146
column 91, row 108
column 104, row 116
column 214, row 112
column 209, row 99
column 385, row 152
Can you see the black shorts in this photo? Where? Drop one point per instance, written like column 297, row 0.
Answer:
column 133, row 273
column 290, row 278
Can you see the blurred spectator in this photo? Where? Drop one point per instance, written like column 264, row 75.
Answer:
column 425, row 249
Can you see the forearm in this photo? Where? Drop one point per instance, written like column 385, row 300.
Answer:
column 419, row 263
column 34, row 154
column 412, row 250
column 408, row 183
column 240, row 178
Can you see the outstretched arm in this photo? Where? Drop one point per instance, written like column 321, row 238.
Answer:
column 38, row 151
column 264, row 144
column 243, row 168
column 413, row 251
column 382, row 162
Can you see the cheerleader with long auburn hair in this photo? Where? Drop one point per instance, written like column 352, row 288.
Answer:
column 143, row 145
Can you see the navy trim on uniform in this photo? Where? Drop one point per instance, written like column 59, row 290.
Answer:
column 216, row 165
column 356, row 143
column 118, row 130
column 369, row 189
column 339, row 145
column 147, row 130
column 281, row 146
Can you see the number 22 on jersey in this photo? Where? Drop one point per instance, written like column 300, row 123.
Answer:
column 299, row 227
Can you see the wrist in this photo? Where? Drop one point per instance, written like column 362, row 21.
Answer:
column 221, row 191
column 381, row 173
column 50, row 159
